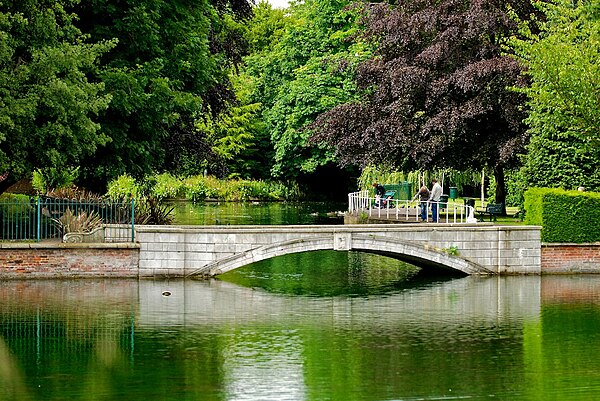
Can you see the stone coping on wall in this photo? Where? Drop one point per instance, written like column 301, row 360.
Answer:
column 336, row 228
column 67, row 245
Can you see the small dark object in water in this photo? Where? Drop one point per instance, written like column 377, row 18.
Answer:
column 166, row 293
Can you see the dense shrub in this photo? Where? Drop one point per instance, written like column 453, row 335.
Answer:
column 565, row 216
column 124, row 187
column 199, row 188
column 168, row 187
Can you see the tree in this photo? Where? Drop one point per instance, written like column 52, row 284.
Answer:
column 437, row 92
column 562, row 56
column 305, row 69
column 49, row 106
column 171, row 66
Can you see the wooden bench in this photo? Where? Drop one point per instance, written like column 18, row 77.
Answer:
column 492, row 209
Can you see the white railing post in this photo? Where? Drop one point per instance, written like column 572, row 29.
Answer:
column 360, row 201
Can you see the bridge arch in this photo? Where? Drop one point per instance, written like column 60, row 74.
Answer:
column 420, row 254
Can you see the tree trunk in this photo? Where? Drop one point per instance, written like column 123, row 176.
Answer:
column 500, row 187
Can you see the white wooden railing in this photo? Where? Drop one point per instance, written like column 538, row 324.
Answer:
column 409, row 210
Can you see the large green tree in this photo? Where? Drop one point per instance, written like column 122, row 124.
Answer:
column 48, row 104
column 170, row 68
column 562, row 56
column 254, row 157
column 437, row 93
column 306, row 68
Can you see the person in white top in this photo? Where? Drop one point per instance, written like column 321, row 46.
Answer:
column 436, row 193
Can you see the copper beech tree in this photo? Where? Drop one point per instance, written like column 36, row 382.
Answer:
column 437, row 93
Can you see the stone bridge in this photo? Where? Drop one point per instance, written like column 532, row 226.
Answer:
column 479, row 249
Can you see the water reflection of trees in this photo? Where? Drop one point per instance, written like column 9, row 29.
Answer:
column 329, row 273
column 48, row 329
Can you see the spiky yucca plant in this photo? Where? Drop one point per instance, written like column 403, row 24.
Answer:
column 82, row 222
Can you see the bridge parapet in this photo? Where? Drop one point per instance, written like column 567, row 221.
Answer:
column 211, row 250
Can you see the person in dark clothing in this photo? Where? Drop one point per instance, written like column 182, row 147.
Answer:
column 423, row 196
column 379, row 189
column 379, row 194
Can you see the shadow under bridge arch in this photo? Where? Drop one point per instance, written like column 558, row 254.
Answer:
column 420, row 254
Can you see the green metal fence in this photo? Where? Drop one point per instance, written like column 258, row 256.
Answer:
column 42, row 218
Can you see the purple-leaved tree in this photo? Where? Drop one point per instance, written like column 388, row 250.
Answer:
column 437, row 93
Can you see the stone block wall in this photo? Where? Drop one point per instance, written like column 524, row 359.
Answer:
column 570, row 258
column 41, row 260
column 180, row 250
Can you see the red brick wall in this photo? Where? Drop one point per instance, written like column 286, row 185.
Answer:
column 570, row 258
column 60, row 260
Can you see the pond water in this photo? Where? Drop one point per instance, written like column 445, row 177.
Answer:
column 315, row 326
column 270, row 213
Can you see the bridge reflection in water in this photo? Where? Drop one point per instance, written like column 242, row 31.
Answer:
column 83, row 314
column 226, row 341
column 90, row 311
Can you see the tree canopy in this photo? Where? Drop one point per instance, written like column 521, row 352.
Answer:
column 49, row 106
column 437, row 92
column 171, row 66
column 562, row 56
column 145, row 86
column 305, row 69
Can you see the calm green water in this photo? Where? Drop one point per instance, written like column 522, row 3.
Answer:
column 315, row 326
column 273, row 213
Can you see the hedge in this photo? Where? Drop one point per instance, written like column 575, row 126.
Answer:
column 565, row 216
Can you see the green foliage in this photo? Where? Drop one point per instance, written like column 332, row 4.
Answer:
column 17, row 206
column 50, row 178
column 562, row 56
column 562, row 160
column 371, row 174
column 168, row 187
column 516, row 185
column 453, row 251
column 171, row 67
column 124, row 187
column 306, row 68
column 151, row 211
column 49, row 106
column 232, row 132
column 565, row 216
column 199, row 188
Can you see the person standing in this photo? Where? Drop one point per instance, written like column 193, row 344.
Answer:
column 436, row 194
column 423, row 196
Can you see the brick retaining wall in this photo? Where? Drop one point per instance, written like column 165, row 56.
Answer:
column 570, row 258
column 40, row 260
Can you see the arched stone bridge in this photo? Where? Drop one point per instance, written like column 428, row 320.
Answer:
column 211, row 250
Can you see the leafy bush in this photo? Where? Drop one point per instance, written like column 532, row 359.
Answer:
column 168, row 187
column 15, row 205
column 199, row 188
column 50, row 179
column 195, row 188
column 565, row 216
column 124, row 187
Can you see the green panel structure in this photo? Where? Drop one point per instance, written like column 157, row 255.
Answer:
column 402, row 189
column 405, row 190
